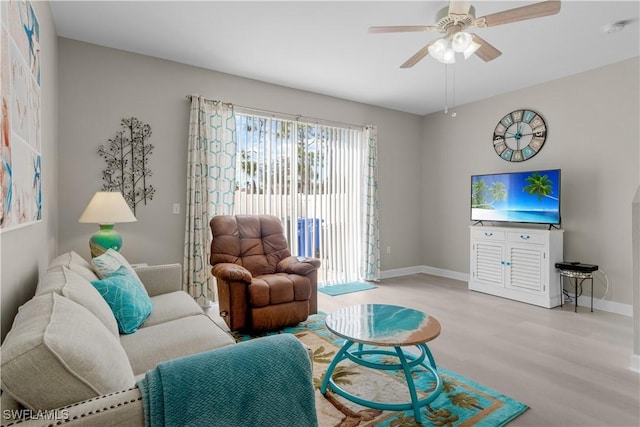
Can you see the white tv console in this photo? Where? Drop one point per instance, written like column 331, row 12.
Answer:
column 516, row 263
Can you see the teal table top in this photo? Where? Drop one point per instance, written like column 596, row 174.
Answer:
column 381, row 324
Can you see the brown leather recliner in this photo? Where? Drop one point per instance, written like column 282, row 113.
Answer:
column 260, row 285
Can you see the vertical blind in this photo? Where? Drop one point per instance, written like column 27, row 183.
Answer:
column 311, row 176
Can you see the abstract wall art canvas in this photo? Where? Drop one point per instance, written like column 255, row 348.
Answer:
column 21, row 139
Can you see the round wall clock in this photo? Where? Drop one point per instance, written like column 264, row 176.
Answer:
column 519, row 135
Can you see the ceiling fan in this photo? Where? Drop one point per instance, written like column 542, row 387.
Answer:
column 454, row 19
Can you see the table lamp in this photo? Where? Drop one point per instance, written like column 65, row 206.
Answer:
column 105, row 209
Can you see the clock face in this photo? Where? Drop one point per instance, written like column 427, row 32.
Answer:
column 519, row 135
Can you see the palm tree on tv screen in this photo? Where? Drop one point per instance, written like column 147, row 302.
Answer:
column 477, row 198
column 498, row 192
column 539, row 185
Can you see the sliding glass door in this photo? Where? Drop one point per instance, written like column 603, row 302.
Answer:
column 313, row 177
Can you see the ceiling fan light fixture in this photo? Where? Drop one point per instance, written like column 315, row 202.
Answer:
column 452, row 20
column 461, row 41
column 438, row 49
column 441, row 50
column 449, row 56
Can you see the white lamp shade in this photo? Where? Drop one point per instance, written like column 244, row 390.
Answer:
column 438, row 49
column 449, row 57
column 461, row 41
column 441, row 50
column 107, row 207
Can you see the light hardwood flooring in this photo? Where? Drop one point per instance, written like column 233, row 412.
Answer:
column 570, row 368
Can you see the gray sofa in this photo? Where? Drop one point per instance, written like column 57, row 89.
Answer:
column 64, row 359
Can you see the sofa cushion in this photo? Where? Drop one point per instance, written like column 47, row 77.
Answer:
column 67, row 283
column 128, row 300
column 57, row 353
column 171, row 306
column 75, row 263
column 149, row 346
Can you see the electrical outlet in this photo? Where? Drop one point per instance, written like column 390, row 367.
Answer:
column 176, row 208
column 388, row 249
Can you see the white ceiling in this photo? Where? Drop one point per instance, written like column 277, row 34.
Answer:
column 324, row 47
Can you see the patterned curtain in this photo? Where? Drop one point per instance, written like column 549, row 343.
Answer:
column 371, row 237
column 210, row 187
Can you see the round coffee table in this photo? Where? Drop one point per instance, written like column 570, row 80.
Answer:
column 385, row 326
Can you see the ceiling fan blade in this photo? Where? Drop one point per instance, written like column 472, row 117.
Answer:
column 536, row 10
column 458, row 7
column 487, row 52
column 417, row 57
column 403, row 29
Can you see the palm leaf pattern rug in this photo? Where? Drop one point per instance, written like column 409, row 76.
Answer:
column 461, row 403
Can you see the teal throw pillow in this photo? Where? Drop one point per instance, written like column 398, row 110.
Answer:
column 129, row 302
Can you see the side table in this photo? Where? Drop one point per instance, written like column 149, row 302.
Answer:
column 576, row 271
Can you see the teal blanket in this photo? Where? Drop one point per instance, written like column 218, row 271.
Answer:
column 263, row 382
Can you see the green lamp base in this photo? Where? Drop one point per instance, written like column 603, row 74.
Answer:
column 106, row 238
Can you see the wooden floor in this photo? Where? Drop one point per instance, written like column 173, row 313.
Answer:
column 570, row 368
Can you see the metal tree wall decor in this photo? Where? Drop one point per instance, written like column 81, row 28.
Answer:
column 127, row 157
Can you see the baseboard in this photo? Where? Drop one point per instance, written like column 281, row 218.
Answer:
column 635, row 363
column 399, row 272
column 584, row 301
column 604, row 305
column 424, row 269
column 449, row 274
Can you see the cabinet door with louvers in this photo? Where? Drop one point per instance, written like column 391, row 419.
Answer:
column 526, row 268
column 488, row 267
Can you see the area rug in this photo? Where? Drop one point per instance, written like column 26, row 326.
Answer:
column 462, row 402
column 345, row 288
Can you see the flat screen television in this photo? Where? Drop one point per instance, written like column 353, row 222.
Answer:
column 526, row 197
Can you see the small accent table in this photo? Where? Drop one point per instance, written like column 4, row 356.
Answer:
column 383, row 325
column 574, row 274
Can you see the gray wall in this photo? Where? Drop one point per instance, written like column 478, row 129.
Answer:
column 593, row 136
column 27, row 251
column 99, row 86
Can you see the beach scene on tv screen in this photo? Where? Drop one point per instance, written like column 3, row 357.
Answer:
column 517, row 197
